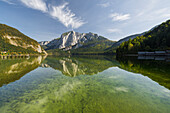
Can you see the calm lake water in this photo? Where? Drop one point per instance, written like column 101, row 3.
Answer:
column 86, row 84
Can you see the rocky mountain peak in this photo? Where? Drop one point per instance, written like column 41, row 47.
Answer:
column 72, row 40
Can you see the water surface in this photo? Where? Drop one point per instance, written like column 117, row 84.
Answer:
column 83, row 84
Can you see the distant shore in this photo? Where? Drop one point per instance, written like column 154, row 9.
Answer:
column 19, row 56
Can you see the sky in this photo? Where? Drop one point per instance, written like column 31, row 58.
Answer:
column 45, row 20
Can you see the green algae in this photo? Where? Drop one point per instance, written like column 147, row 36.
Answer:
column 113, row 90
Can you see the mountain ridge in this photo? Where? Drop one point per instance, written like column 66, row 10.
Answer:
column 75, row 41
column 131, row 37
column 11, row 39
column 156, row 39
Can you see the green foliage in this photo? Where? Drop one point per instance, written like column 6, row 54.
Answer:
column 11, row 48
column 7, row 30
column 58, row 52
column 23, row 40
column 157, row 39
column 97, row 46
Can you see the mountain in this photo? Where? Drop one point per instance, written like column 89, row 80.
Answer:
column 118, row 43
column 12, row 40
column 113, row 48
column 44, row 43
column 126, row 39
column 16, row 68
column 155, row 39
column 131, row 37
column 81, row 65
column 79, row 43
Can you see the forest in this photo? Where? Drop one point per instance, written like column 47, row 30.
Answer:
column 153, row 40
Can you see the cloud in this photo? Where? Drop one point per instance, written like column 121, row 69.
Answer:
column 35, row 4
column 8, row 1
column 65, row 16
column 107, row 4
column 114, row 31
column 61, row 12
column 119, row 17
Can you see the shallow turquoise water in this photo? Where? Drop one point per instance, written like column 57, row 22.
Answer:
column 79, row 85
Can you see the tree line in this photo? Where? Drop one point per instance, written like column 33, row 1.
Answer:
column 153, row 40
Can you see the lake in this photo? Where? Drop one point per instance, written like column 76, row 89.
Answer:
column 84, row 84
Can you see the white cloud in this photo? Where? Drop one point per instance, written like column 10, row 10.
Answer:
column 8, row 1
column 107, row 4
column 114, row 31
column 61, row 12
column 119, row 17
column 35, row 4
column 65, row 16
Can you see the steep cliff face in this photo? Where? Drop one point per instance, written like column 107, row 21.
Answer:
column 73, row 40
column 11, row 36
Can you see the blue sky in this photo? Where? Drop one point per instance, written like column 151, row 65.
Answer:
column 113, row 19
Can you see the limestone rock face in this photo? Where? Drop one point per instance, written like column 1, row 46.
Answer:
column 18, row 41
column 11, row 36
column 72, row 40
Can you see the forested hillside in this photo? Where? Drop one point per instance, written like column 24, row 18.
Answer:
column 12, row 40
column 156, row 39
column 94, row 47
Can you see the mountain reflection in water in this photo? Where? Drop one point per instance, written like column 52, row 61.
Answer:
column 157, row 70
column 13, row 69
column 84, row 65
column 66, row 84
